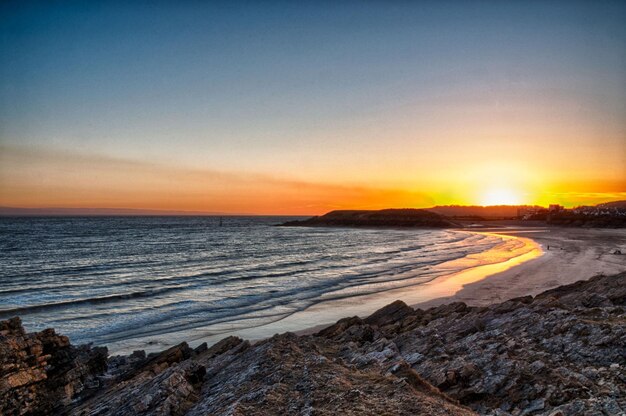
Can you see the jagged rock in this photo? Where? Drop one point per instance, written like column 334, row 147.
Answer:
column 563, row 349
column 560, row 353
column 390, row 314
column 42, row 372
column 286, row 374
column 301, row 375
column 531, row 356
column 339, row 327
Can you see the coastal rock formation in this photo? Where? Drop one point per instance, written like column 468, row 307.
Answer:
column 562, row 352
column 286, row 374
column 42, row 372
column 382, row 218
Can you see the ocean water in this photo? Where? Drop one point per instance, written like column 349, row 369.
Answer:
column 112, row 279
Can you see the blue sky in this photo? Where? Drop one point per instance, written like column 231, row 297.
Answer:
column 358, row 92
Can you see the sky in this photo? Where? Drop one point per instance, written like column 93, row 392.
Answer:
column 303, row 107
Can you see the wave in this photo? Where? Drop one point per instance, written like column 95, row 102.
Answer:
column 246, row 272
column 132, row 278
column 87, row 301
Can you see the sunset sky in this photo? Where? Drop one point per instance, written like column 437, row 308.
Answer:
column 304, row 107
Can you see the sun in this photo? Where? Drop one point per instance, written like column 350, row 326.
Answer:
column 500, row 196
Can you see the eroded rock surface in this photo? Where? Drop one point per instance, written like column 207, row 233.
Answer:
column 286, row 374
column 560, row 353
column 41, row 372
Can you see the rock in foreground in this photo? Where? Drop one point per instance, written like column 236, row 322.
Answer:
column 560, row 353
column 42, row 373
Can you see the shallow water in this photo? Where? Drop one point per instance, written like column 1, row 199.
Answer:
column 112, row 279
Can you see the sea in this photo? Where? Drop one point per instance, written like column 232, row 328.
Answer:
column 108, row 280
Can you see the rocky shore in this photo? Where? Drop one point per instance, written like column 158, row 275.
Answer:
column 562, row 352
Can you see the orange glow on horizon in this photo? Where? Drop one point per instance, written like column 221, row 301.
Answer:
column 368, row 107
column 47, row 180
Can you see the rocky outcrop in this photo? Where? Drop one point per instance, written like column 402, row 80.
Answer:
column 41, row 372
column 286, row 374
column 562, row 352
column 382, row 218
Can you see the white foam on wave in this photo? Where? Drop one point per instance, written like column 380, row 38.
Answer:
column 123, row 283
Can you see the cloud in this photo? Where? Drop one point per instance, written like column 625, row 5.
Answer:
column 32, row 177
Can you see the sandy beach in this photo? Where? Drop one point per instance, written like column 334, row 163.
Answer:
column 522, row 265
column 550, row 258
column 569, row 255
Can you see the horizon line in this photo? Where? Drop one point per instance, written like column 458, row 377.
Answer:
column 8, row 211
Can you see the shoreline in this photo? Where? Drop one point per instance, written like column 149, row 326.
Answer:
column 560, row 352
column 574, row 254
column 459, row 352
column 438, row 288
column 326, row 312
column 531, row 270
column 443, row 289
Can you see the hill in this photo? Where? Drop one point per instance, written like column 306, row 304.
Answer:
column 614, row 204
column 407, row 217
column 479, row 212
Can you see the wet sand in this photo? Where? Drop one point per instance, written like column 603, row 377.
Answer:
column 569, row 255
column 478, row 267
column 339, row 304
column 524, row 266
column 573, row 254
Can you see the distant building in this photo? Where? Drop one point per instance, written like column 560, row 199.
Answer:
column 555, row 208
column 531, row 213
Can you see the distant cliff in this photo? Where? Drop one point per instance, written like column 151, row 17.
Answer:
column 382, row 218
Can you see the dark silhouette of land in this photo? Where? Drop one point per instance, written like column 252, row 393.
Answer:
column 383, row 218
column 607, row 215
column 479, row 212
